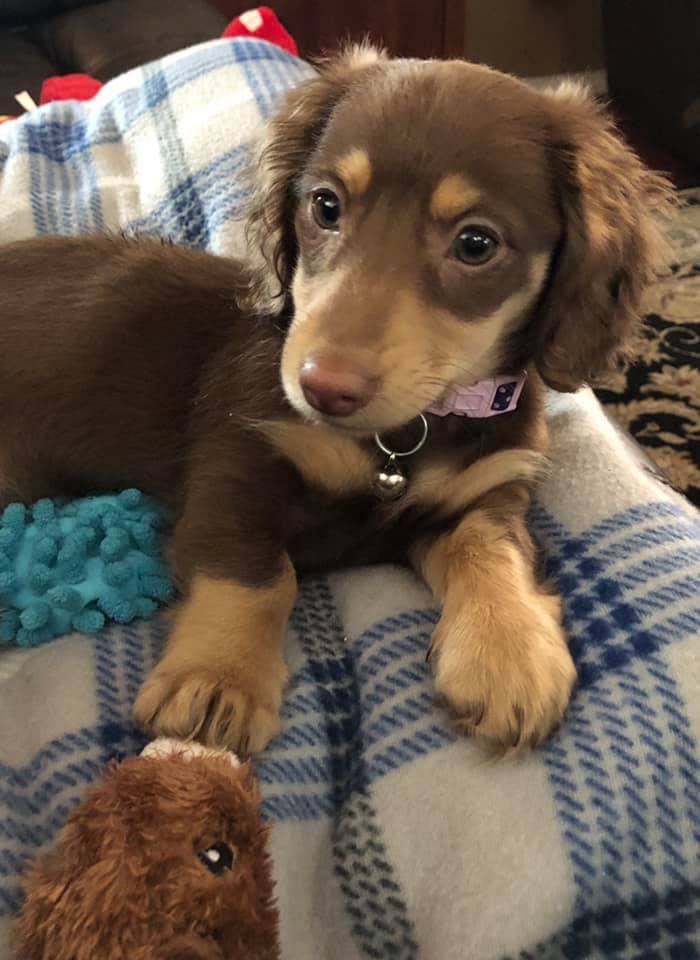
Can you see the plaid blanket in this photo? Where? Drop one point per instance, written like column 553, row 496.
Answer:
column 392, row 836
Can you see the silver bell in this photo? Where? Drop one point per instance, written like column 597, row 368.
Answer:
column 390, row 483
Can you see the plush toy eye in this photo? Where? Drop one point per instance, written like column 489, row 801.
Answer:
column 218, row 858
column 474, row 245
column 325, row 206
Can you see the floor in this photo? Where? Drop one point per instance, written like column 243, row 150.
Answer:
column 658, row 398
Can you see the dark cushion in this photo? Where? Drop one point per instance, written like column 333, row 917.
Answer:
column 22, row 67
column 103, row 38
column 107, row 38
column 13, row 12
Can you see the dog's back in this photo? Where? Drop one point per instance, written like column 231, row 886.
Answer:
column 103, row 341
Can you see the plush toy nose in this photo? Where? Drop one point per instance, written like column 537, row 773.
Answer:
column 334, row 390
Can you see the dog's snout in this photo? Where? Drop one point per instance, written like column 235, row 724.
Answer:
column 333, row 389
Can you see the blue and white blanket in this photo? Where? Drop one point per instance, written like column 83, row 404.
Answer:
column 392, row 838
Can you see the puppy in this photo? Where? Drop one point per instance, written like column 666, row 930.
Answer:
column 443, row 235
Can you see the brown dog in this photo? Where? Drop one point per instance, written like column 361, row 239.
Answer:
column 432, row 224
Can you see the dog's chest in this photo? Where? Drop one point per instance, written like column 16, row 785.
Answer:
column 336, row 517
column 329, row 532
column 329, row 529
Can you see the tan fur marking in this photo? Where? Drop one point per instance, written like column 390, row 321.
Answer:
column 452, row 196
column 355, row 170
column 360, row 55
column 323, row 457
column 500, row 654
column 440, row 485
column 518, row 302
column 417, row 346
column 222, row 675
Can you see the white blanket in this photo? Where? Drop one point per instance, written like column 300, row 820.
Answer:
column 393, row 838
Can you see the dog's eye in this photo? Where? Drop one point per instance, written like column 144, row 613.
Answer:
column 325, row 206
column 218, row 858
column 474, row 245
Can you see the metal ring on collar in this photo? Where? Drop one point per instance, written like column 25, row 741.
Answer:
column 405, row 453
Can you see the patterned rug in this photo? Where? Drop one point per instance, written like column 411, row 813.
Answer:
column 658, row 398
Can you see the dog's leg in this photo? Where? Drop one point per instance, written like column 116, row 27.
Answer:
column 500, row 655
column 222, row 675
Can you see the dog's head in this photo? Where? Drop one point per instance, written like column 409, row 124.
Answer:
column 438, row 223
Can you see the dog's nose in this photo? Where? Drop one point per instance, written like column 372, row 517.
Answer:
column 335, row 391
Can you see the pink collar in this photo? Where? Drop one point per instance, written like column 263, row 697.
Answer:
column 487, row 398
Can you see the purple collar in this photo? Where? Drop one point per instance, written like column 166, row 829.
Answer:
column 487, row 398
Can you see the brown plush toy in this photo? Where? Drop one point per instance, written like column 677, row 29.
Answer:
column 165, row 859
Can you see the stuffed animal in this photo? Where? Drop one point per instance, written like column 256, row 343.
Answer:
column 165, row 859
column 73, row 566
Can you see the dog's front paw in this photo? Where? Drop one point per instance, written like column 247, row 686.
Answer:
column 509, row 676
column 215, row 707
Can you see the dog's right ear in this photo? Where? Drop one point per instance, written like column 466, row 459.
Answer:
column 286, row 145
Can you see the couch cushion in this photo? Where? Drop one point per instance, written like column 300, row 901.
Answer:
column 14, row 12
column 108, row 38
column 22, row 67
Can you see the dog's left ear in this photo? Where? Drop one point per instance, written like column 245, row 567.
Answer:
column 288, row 141
column 613, row 211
